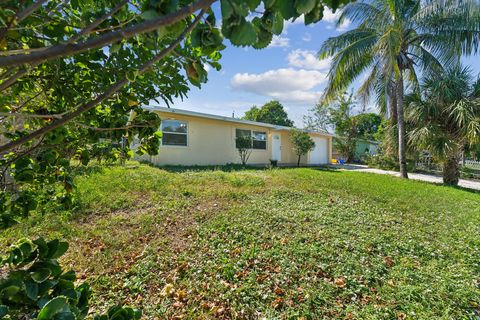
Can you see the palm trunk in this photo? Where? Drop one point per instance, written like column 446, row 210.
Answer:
column 402, row 152
column 393, row 104
column 451, row 171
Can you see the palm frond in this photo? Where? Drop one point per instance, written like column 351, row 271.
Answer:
column 457, row 22
column 364, row 12
column 333, row 45
column 348, row 64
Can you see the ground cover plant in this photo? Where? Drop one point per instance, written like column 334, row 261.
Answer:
column 276, row 243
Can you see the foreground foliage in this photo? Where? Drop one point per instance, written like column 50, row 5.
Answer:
column 37, row 287
column 204, row 243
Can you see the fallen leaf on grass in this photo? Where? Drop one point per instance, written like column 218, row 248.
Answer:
column 401, row 316
column 167, row 291
column 180, row 295
column 340, row 282
column 389, row 261
column 279, row 291
column 277, row 303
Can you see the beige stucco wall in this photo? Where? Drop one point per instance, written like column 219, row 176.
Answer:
column 289, row 156
column 212, row 142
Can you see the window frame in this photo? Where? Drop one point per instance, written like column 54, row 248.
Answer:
column 186, row 134
column 252, row 138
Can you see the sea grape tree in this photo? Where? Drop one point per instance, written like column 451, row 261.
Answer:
column 73, row 72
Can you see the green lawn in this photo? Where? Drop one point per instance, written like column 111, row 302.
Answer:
column 286, row 243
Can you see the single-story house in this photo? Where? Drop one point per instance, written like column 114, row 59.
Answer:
column 194, row 138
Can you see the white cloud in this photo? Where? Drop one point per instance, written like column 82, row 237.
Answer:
column 279, row 41
column 330, row 17
column 288, row 23
column 289, row 85
column 307, row 37
column 308, row 60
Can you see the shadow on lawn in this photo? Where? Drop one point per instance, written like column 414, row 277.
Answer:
column 460, row 188
column 232, row 167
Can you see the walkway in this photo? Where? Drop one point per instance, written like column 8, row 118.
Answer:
column 469, row 184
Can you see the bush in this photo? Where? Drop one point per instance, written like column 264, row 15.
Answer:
column 37, row 287
column 384, row 162
column 244, row 148
column 302, row 143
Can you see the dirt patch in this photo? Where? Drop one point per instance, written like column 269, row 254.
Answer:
column 117, row 241
column 180, row 229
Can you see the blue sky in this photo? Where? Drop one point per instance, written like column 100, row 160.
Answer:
column 287, row 71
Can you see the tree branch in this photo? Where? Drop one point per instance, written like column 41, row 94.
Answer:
column 109, row 92
column 20, row 16
column 7, row 83
column 97, row 22
column 146, row 125
column 67, row 49
column 31, row 115
column 20, row 73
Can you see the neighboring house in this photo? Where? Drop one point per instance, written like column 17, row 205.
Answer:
column 193, row 138
column 362, row 148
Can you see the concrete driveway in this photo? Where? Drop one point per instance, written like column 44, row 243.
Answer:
column 469, row 184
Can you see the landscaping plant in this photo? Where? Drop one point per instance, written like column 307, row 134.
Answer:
column 445, row 117
column 244, row 148
column 302, row 143
column 36, row 286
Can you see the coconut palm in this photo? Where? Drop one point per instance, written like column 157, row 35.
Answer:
column 395, row 40
column 445, row 117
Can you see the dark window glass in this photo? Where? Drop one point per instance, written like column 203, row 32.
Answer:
column 259, row 144
column 174, row 139
column 259, row 140
column 174, row 133
column 243, row 133
column 174, row 126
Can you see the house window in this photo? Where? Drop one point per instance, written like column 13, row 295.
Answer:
column 258, row 138
column 174, row 133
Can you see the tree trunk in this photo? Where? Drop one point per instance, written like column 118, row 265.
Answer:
column 298, row 161
column 451, row 171
column 402, row 152
column 393, row 104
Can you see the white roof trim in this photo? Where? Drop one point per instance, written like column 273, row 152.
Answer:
column 227, row 119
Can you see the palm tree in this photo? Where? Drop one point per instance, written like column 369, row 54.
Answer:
column 445, row 117
column 393, row 41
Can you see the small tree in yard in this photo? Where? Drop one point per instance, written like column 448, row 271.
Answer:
column 302, row 143
column 244, row 148
column 445, row 117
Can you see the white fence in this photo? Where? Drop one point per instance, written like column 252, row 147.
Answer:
column 472, row 164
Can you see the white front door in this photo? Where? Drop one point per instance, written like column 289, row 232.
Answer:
column 319, row 155
column 276, row 147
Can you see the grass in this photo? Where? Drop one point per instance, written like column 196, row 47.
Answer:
column 276, row 244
